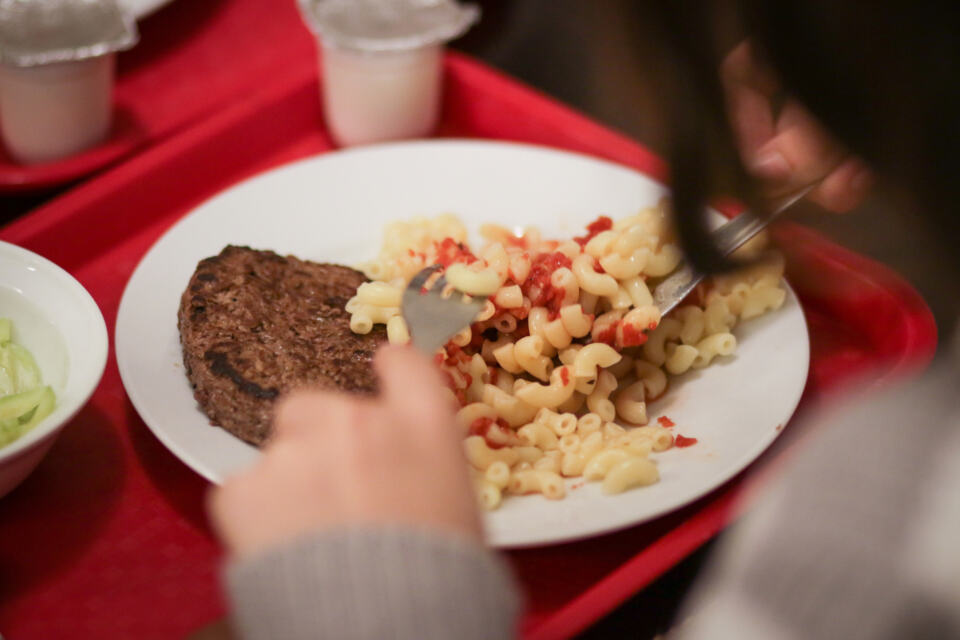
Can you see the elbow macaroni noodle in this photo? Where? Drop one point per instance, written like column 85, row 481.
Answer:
column 569, row 348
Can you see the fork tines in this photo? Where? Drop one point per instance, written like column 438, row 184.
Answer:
column 419, row 280
column 433, row 318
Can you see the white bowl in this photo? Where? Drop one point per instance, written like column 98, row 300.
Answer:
column 57, row 320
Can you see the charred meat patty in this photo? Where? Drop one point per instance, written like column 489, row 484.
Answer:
column 254, row 325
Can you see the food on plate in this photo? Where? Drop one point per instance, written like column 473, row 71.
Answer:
column 24, row 399
column 554, row 375
column 254, row 324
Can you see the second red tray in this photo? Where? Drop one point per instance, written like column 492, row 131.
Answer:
column 119, row 545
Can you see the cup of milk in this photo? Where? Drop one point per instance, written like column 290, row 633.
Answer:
column 381, row 64
column 57, row 61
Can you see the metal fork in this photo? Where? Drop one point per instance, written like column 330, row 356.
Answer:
column 727, row 238
column 432, row 318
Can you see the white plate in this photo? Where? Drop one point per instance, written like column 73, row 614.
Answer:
column 333, row 208
column 142, row 8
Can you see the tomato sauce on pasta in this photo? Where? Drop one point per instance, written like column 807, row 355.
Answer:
column 554, row 378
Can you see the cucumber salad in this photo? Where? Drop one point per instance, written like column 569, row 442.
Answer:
column 24, row 399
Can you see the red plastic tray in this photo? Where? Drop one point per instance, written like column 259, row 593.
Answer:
column 192, row 58
column 108, row 537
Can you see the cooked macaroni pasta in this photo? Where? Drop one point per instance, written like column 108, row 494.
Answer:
column 555, row 376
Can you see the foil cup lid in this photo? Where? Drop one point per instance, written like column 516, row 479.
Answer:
column 36, row 32
column 387, row 25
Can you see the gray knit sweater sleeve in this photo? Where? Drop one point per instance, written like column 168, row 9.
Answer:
column 374, row 583
column 858, row 537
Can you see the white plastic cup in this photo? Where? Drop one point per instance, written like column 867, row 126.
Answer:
column 51, row 111
column 380, row 96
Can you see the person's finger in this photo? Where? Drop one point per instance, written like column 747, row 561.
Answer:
column 752, row 120
column 303, row 412
column 845, row 188
column 749, row 91
column 410, row 385
column 805, row 146
column 740, row 67
column 792, row 159
column 222, row 505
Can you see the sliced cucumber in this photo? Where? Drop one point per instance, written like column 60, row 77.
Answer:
column 27, row 372
column 6, row 370
column 24, row 402
column 16, row 405
column 9, row 431
column 47, row 401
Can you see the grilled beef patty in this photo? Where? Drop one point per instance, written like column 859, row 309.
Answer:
column 254, row 325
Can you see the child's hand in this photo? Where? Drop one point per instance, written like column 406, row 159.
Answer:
column 337, row 460
column 792, row 150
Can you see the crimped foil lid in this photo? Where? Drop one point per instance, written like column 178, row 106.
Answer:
column 387, row 25
column 36, row 32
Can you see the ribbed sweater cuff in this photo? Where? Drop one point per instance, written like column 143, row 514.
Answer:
column 374, row 583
